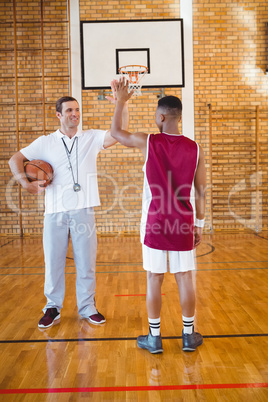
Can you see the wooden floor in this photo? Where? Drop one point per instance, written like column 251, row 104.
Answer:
column 75, row 361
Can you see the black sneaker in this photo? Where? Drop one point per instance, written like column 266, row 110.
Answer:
column 48, row 319
column 191, row 341
column 150, row 342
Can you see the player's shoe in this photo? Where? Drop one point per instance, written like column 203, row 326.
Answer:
column 96, row 319
column 150, row 342
column 191, row 341
column 50, row 316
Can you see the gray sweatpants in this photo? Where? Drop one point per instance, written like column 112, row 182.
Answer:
column 80, row 225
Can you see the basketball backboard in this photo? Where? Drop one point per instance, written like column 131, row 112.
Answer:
column 108, row 45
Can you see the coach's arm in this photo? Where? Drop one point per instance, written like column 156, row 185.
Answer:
column 16, row 164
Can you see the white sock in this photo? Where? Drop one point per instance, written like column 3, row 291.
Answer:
column 154, row 324
column 188, row 324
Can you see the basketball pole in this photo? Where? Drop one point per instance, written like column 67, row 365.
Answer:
column 187, row 93
column 75, row 56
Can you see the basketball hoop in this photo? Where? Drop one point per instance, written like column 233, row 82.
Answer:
column 134, row 74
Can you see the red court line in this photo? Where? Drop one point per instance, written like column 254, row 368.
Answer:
column 162, row 294
column 132, row 388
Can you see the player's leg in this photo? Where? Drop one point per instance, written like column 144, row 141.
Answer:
column 55, row 243
column 153, row 297
column 184, row 279
column 155, row 263
column 186, row 293
column 84, row 240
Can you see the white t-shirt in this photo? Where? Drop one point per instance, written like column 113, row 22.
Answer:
column 60, row 195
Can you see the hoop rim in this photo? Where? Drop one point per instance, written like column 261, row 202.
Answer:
column 145, row 69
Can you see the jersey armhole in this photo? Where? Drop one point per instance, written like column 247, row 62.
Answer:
column 147, row 153
column 197, row 158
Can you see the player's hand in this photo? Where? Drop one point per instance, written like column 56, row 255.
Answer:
column 121, row 88
column 197, row 236
column 113, row 98
column 34, row 187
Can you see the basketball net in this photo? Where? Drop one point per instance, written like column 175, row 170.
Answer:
column 134, row 74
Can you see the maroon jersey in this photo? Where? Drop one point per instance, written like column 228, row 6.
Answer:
column 167, row 214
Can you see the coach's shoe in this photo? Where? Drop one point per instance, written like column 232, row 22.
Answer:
column 150, row 342
column 191, row 341
column 50, row 316
column 96, row 319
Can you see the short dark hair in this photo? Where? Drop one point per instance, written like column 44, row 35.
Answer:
column 62, row 100
column 171, row 104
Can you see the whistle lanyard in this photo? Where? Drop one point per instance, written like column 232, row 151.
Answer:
column 76, row 186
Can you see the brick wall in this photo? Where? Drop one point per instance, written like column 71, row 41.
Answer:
column 34, row 69
column 230, row 57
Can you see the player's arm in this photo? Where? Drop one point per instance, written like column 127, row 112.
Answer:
column 200, row 196
column 109, row 140
column 131, row 140
column 16, row 164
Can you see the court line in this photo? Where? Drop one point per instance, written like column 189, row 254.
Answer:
column 209, row 252
column 105, row 264
column 261, row 237
column 231, row 262
column 11, row 241
column 201, row 255
column 11, row 341
column 132, row 388
column 143, row 294
column 141, row 271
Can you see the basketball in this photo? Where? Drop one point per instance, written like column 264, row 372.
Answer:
column 39, row 170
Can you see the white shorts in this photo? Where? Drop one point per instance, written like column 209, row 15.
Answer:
column 156, row 260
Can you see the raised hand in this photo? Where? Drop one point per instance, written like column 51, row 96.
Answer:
column 112, row 99
column 121, row 89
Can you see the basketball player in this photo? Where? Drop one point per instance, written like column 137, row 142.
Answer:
column 69, row 206
column 173, row 163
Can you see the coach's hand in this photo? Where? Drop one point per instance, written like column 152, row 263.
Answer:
column 112, row 99
column 34, row 187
